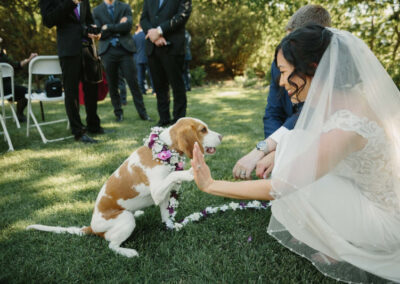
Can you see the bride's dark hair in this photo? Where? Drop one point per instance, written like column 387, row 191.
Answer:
column 303, row 48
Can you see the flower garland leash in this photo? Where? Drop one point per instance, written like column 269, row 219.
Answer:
column 194, row 217
column 176, row 162
column 161, row 151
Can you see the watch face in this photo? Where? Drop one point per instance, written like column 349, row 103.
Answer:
column 262, row 145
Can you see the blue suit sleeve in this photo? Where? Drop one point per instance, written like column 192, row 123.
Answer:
column 276, row 111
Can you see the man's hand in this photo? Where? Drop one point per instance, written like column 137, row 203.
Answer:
column 160, row 42
column 153, row 35
column 123, row 20
column 244, row 167
column 76, row 1
column 104, row 27
column 265, row 165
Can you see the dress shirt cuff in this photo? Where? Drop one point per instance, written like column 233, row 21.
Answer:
column 278, row 134
column 159, row 30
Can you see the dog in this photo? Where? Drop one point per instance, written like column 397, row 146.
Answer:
column 143, row 180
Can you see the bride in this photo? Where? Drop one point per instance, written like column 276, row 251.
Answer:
column 336, row 182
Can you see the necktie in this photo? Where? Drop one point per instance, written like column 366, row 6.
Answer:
column 76, row 11
column 111, row 11
column 114, row 40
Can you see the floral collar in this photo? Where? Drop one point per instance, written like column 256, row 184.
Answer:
column 161, row 151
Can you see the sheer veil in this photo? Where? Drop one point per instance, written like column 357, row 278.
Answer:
column 350, row 87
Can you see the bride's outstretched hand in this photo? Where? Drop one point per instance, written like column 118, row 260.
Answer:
column 202, row 174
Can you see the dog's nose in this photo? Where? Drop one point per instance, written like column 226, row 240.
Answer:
column 220, row 137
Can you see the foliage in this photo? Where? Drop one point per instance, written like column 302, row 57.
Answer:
column 197, row 76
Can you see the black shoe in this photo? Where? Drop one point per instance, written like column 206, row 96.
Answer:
column 85, row 139
column 146, row 117
column 101, row 130
column 119, row 117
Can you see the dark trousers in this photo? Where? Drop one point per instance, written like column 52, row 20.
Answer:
column 72, row 71
column 167, row 69
column 186, row 75
column 122, row 87
column 19, row 95
column 141, row 74
column 113, row 59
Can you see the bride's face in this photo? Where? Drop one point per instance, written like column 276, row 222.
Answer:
column 286, row 69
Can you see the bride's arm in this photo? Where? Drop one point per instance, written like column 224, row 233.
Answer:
column 258, row 189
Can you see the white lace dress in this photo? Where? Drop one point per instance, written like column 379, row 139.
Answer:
column 351, row 215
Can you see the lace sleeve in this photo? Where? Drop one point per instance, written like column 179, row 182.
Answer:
column 348, row 121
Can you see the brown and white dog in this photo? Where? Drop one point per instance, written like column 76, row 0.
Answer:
column 139, row 182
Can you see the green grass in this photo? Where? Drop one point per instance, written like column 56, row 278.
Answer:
column 57, row 184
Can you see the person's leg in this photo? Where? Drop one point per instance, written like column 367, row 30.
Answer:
column 173, row 65
column 92, row 119
column 19, row 97
column 186, row 75
column 122, row 87
column 129, row 71
column 147, row 71
column 110, row 62
column 71, row 69
column 161, row 88
column 141, row 76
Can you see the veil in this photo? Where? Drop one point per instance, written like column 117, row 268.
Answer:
column 350, row 87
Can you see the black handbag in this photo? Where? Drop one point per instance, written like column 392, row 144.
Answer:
column 53, row 87
column 92, row 68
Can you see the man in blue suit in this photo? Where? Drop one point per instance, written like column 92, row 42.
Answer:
column 280, row 113
column 141, row 59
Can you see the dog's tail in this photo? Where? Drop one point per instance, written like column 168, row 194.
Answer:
column 60, row 230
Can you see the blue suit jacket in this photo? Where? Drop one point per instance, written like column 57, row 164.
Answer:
column 140, row 43
column 279, row 110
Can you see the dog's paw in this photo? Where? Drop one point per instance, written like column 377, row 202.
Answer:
column 187, row 175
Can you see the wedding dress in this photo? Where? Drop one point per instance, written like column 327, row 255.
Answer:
column 347, row 221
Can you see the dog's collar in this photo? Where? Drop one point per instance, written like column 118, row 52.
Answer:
column 161, row 151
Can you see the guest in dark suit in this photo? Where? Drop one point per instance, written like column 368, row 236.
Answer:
column 116, row 51
column 72, row 18
column 163, row 22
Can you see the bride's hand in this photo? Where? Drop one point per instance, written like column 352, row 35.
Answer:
column 202, row 174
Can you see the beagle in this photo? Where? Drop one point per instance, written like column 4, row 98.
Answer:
column 143, row 180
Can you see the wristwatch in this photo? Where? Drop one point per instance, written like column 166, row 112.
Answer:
column 262, row 146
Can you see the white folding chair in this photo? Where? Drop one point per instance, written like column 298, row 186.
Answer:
column 43, row 65
column 6, row 70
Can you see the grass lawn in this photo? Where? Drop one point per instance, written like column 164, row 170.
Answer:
column 57, row 184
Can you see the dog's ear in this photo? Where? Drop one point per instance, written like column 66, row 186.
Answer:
column 187, row 136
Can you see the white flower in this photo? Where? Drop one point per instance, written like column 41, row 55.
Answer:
column 224, row 208
column 173, row 202
column 234, row 205
column 211, row 210
column 178, row 226
column 157, row 147
column 195, row 216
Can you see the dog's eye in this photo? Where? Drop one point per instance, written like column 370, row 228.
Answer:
column 204, row 130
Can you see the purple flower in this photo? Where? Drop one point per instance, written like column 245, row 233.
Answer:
column 174, row 194
column 170, row 210
column 164, row 155
column 179, row 166
column 242, row 204
column 152, row 140
column 204, row 212
column 249, row 239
